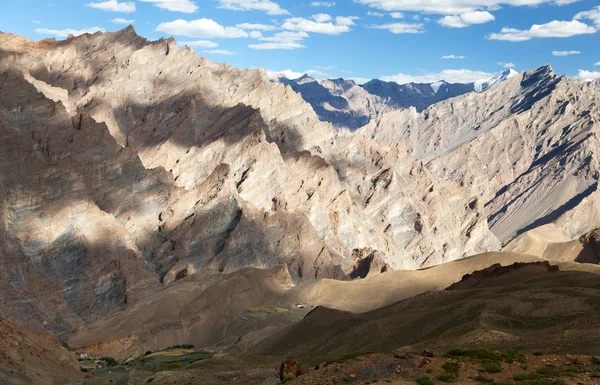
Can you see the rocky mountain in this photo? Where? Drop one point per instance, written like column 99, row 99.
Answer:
column 131, row 167
column 527, row 148
column 350, row 106
column 341, row 102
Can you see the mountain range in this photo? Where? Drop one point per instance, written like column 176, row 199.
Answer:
column 348, row 105
column 151, row 198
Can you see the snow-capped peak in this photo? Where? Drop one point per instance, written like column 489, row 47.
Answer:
column 483, row 85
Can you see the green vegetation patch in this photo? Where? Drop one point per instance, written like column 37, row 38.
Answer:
column 447, row 377
column 482, row 378
column 492, row 367
column 451, row 366
column 345, row 357
column 484, row 354
column 424, row 380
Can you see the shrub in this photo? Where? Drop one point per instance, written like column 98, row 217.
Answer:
column 184, row 346
column 482, row 378
column 547, row 371
column 526, row 376
column 424, row 380
column 451, row 367
column 492, row 367
column 447, row 377
column 572, row 370
column 595, row 360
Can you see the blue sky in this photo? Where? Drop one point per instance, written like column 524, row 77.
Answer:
column 401, row 40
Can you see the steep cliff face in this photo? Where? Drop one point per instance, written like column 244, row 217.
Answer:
column 130, row 165
column 526, row 147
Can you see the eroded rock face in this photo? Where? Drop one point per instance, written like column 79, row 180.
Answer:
column 131, row 166
column 527, row 148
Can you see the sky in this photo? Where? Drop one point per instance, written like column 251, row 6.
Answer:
column 394, row 40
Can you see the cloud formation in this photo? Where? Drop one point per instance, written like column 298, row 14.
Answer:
column 113, row 6
column 565, row 53
column 200, row 44
column 507, row 65
column 555, row 28
column 120, row 20
column 452, row 57
column 466, row 19
column 449, row 75
column 185, row 6
column 400, row 28
column 327, row 4
column 201, row 28
column 592, row 14
column 66, row 32
column 588, row 75
column 321, row 23
column 453, row 7
column 268, row 6
column 287, row 40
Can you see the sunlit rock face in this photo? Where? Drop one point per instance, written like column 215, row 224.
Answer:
column 527, row 148
column 127, row 166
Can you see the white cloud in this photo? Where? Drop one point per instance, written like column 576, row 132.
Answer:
column 283, row 45
column 597, row 64
column 220, row 52
column 200, row 44
column 113, row 6
column 185, row 6
column 506, row 65
column 554, row 28
column 342, row 24
column 451, row 57
column 255, row 34
column 376, row 14
column 36, row 22
column 397, row 15
column 256, row 27
column 201, row 28
column 290, row 74
column 68, row 31
column 325, row 68
column 593, row 15
column 267, row 6
column 451, row 76
column 281, row 40
column 588, row 75
column 322, row 4
column 453, row 7
column 321, row 17
column 398, row 28
column 466, row 19
column 120, row 20
column 565, row 53
column 345, row 20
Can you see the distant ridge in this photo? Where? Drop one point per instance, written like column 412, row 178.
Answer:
column 348, row 105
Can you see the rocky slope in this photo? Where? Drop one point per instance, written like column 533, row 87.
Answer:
column 129, row 165
column 350, row 106
column 28, row 356
column 527, row 149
